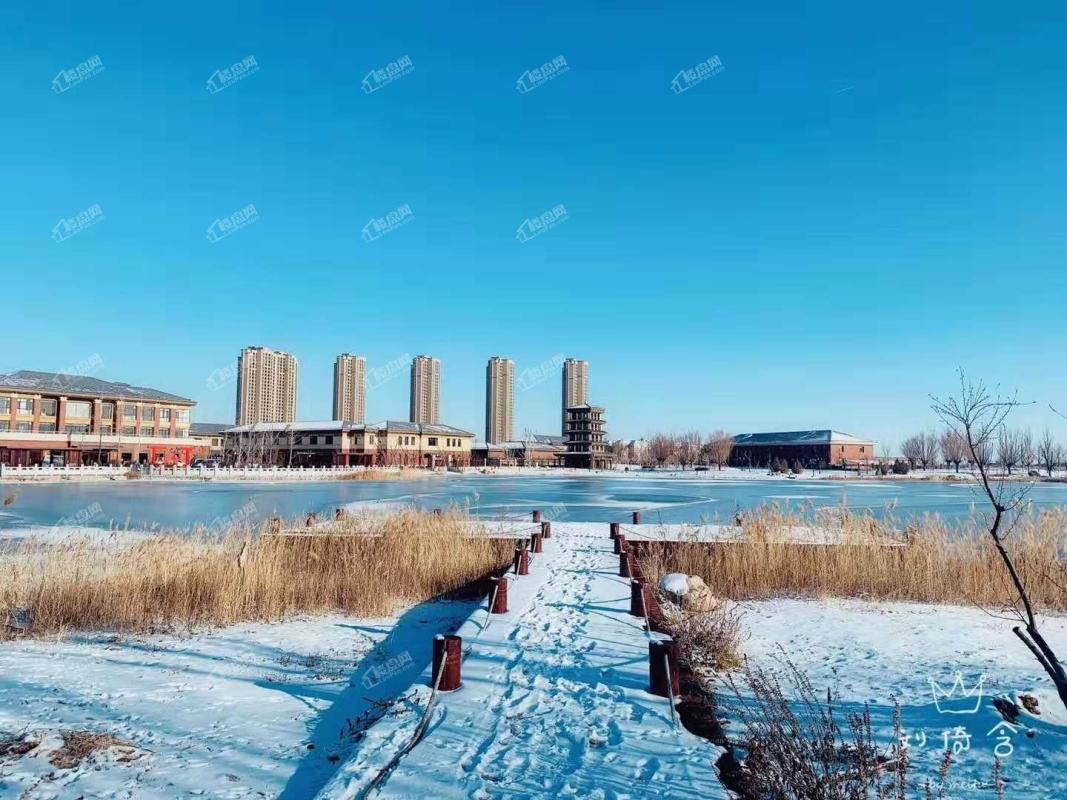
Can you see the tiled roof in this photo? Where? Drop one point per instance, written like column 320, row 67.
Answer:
column 798, row 438
column 208, row 428
column 84, row 386
column 338, row 425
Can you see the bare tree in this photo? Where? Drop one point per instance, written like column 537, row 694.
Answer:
column 931, row 449
column 1009, row 448
column 720, row 447
column 953, row 448
column 978, row 416
column 687, row 447
column 1026, row 449
column 661, row 448
column 1049, row 452
column 912, row 449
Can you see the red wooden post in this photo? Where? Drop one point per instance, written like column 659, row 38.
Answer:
column 637, row 518
column 338, row 514
column 663, row 655
column 537, row 516
column 624, row 564
column 447, row 656
column 500, row 599
column 620, row 543
column 614, row 528
column 535, row 543
column 522, row 561
column 638, row 591
column 546, row 529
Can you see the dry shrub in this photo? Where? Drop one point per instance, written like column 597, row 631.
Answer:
column 797, row 747
column 80, row 745
column 363, row 565
column 931, row 561
column 708, row 641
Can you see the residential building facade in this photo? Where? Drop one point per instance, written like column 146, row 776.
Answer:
column 73, row 420
column 425, row 390
column 587, row 445
column 348, row 444
column 813, row 449
column 499, row 400
column 575, row 386
column 266, row 386
column 350, row 388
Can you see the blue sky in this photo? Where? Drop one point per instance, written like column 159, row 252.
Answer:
column 862, row 200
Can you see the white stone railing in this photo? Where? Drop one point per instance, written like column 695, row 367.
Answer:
column 224, row 473
column 7, row 471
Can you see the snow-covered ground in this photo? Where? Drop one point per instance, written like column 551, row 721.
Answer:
column 878, row 652
column 225, row 714
column 554, row 701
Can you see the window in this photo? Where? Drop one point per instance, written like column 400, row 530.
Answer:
column 48, row 408
column 164, row 433
column 46, row 427
column 329, row 440
column 5, row 405
column 77, row 428
column 107, row 429
column 79, row 409
column 148, row 431
column 148, row 413
column 5, row 426
column 129, row 430
column 183, row 415
column 107, row 411
column 129, row 412
column 23, row 427
column 164, row 415
column 25, row 406
column 183, row 433
column 432, row 441
column 314, row 439
column 861, row 448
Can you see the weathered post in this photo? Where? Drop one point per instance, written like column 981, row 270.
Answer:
column 620, row 543
column 522, row 561
column 614, row 529
column 663, row 675
column 536, row 516
column 535, row 543
column 624, row 564
column 447, row 662
column 546, row 529
column 500, row 595
column 637, row 518
column 638, row 591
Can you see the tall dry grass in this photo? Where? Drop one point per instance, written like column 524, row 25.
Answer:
column 364, row 565
column 932, row 561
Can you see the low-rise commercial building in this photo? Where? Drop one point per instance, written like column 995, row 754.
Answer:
column 539, row 451
column 60, row 419
column 347, row 444
column 209, row 438
column 813, row 449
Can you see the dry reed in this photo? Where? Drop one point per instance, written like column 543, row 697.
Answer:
column 932, row 561
column 361, row 565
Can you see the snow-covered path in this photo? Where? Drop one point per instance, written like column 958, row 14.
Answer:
column 553, row 702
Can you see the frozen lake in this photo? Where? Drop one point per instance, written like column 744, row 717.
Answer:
column 596, row 498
